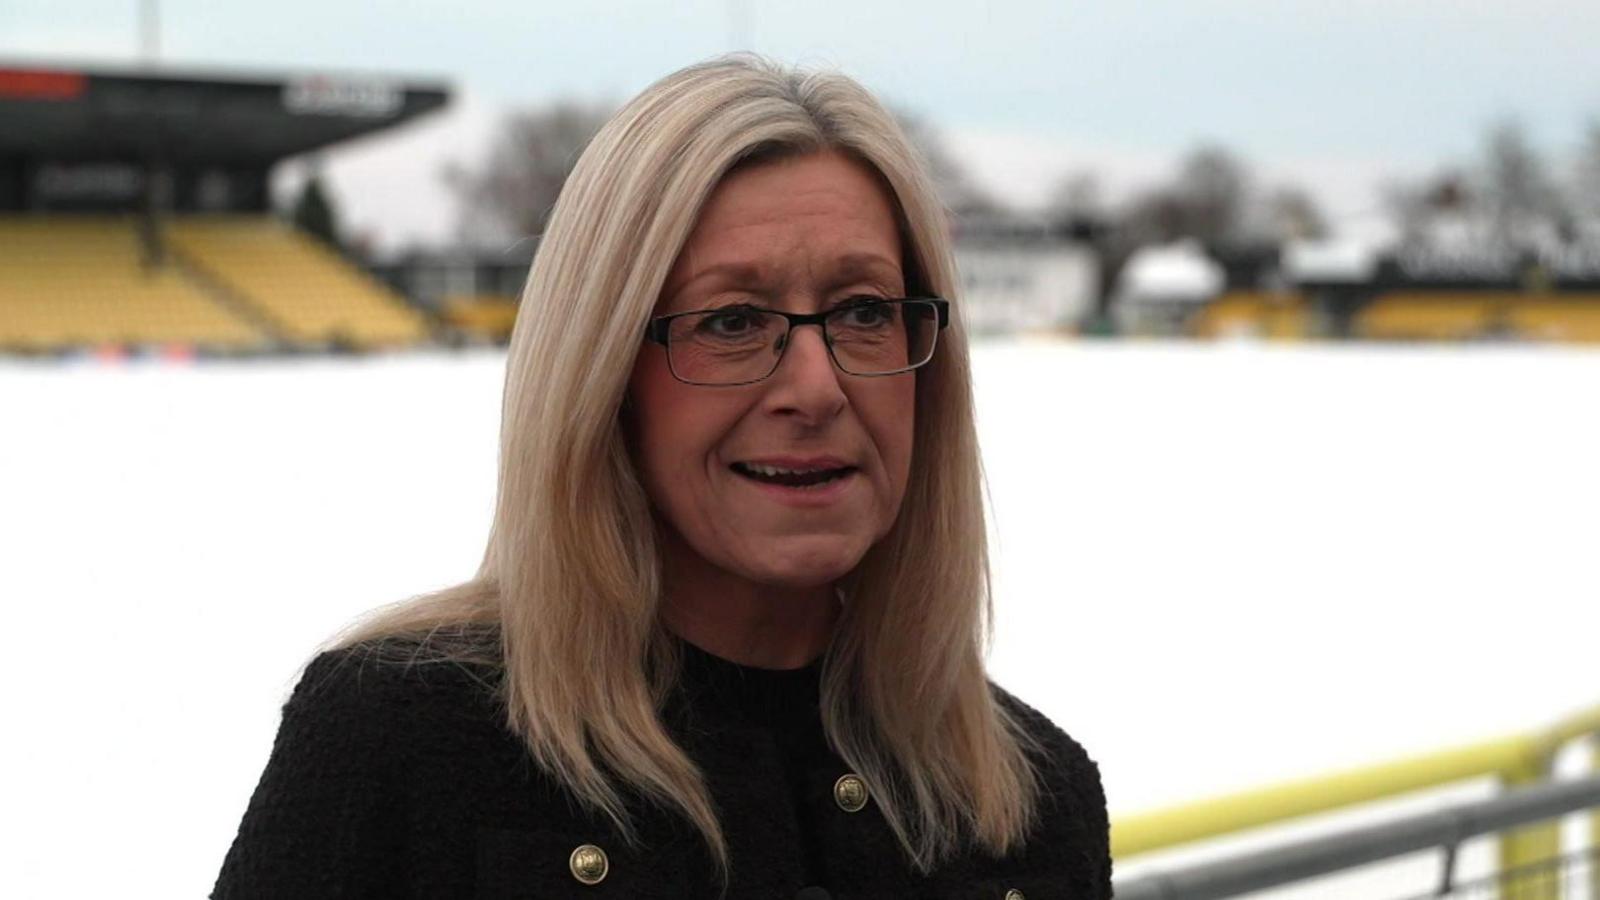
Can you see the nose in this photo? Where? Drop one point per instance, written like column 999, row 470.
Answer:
column 806, row 384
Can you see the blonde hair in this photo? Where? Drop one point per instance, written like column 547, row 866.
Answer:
column 570, row 584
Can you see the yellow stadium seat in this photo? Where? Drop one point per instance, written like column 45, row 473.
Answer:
column 1561, row 317
column 1423, row 316
column 482, row 315
column 307, row 290
column 1254, row 314
column 83, row 280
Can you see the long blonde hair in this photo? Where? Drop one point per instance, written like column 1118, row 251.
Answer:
column 570, row 584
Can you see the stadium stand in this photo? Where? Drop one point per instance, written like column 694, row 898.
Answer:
column 472, row 290
column 135, row 211
column 1252, row 313
column 486, row 316
column 1566, row 318
column 72, row 281
column 1422, row 316
column 312, row 295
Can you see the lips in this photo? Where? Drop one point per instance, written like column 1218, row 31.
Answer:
column 793, row 474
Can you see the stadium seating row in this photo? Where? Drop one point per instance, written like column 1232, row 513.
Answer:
column 249, row 283
column 1471, row 314
column 1271, row 314
column 1412, row 316
column 220, row 283
column 300, row 285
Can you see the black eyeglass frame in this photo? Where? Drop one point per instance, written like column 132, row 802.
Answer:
column 658, row 330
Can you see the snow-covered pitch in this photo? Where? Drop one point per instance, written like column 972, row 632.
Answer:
column 1216, row 565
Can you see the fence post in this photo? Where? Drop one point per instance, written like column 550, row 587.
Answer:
column 1523, row 847
column 1594, row 824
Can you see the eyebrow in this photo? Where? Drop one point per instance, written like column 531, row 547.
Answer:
column 848, row 266
column 731, row 271
column 857, row 264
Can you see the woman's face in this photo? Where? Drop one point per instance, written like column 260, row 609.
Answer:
column 800, row 235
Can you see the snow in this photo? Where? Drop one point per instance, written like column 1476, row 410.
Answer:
column 1330, row 260
column 1176, row 271
column 1216, row 565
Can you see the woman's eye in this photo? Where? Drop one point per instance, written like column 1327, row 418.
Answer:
column 868, row 311
column 732, row 322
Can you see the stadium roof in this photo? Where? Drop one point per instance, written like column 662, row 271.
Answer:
column 59, row 113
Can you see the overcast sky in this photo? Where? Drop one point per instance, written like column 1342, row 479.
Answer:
column 1336, row 94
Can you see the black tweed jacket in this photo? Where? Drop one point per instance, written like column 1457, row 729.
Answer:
column 394, row 781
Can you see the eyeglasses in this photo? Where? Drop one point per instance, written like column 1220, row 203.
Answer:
column 743, row 344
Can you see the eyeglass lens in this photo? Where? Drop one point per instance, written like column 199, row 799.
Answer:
column 743, row 344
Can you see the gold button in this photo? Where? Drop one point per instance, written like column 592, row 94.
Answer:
column 589, row 864
column 1014, row 894
column 850, row 792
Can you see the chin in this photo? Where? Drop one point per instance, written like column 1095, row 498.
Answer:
column 810, row 565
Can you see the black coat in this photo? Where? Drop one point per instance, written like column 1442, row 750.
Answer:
column 388, row 781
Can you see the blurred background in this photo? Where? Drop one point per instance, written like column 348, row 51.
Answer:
column 1286, row 322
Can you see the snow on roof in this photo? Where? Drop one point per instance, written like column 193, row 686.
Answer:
column 1177, row 271
column 1330, row 260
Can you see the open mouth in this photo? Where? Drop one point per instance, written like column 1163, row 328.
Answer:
column 794, row 478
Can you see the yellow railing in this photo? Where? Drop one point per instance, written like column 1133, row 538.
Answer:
column 1514, row 760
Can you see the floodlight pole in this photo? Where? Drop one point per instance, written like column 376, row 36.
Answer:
column 149, row 32
column 157, row 186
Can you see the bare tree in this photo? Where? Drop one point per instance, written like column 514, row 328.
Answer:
column 1291, row 212
column 513, row 190
column 1214, row 190
column 1076, row 197
column 956, row 188
column 1416, row 206
column 1157, row 216
column 1517, row 188
column 1209, row 199
column 1586, row 183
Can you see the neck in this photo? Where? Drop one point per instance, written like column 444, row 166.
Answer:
column 751, row 624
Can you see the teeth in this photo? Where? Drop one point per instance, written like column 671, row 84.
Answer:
column 792, row 477
column 771, row 471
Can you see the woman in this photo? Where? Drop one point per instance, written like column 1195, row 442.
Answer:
column 726, row 637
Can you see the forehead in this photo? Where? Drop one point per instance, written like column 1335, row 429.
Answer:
column 807, row 214
column 826, row 183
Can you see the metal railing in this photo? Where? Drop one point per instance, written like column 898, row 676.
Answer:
column 1443, row 829
column 1553, row 877
column 1516, row 762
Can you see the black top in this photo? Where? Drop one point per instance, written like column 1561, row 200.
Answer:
column 783, row 700
column 391, row 780
column 783, row 704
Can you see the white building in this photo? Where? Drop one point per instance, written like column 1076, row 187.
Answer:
column 1162, row 285
column 1019, row 274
